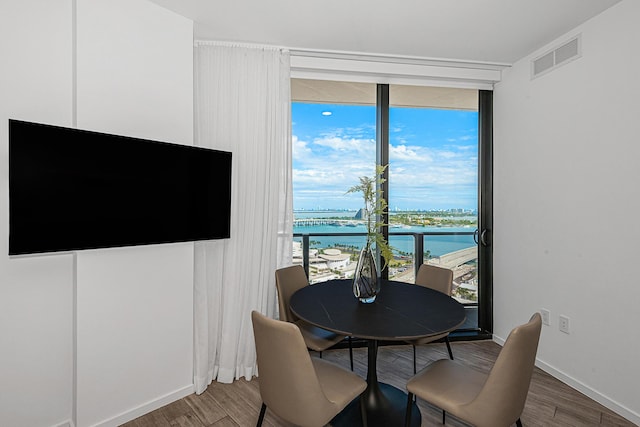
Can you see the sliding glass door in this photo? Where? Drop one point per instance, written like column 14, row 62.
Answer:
column 435, row 142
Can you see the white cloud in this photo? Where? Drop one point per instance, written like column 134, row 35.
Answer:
column 448, row 155
column 342, row 144
column 325, row 168
column 300, row 149
column 409, row 153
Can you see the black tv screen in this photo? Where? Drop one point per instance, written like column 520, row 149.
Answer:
column 72, row 189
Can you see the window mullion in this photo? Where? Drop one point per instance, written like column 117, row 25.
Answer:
column 382, row 158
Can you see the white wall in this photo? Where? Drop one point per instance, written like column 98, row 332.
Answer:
column 106, row 336
column 135, row 305
column 566, row 204
column 36, row 294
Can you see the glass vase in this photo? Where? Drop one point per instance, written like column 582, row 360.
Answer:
column 366, row 284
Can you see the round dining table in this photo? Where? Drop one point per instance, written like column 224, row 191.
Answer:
column 400, row 312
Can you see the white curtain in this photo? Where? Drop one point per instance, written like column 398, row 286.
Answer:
column 242, row 105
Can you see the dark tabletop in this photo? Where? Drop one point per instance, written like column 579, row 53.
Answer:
column 400, row 312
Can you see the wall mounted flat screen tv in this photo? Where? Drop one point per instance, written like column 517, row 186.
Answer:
column 72, row 189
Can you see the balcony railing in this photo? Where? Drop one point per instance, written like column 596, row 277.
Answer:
column 334, row 256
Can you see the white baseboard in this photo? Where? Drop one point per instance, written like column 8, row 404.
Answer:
column 146, row 408
column 68, row 423
column 605, row 401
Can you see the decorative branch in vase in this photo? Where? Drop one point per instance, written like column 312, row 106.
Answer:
column 366, row 283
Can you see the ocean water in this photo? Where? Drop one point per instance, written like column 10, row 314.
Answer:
column 438, row 244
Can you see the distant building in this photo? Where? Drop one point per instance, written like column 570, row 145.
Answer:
column 359, row 214
column 297, row 252
column 335, row 259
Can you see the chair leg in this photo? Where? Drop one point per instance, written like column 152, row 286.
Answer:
column 519, row 423
column 350, row 353
column 446, row 340
column 407, row 417
column 262, row 412
column 444, row 416
column 414, row 360
column 320, row 354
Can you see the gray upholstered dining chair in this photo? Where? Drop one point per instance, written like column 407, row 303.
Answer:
column 484, row 400
column 301, row 389
column 439, row 279
column 288, row 281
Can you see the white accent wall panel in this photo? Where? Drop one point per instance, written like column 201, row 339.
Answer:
column 134, row 331
column 104, row 336
column 134, row 305
column 36, row 293
column 566, row 204
column 135, row 70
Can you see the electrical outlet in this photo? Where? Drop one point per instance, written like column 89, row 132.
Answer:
column 546, row 316
column 564, row 324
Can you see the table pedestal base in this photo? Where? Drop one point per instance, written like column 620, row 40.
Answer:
column 386, row 407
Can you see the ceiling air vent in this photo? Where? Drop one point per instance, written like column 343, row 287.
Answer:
column 559, row 56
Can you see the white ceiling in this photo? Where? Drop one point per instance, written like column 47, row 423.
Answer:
column 494, row 31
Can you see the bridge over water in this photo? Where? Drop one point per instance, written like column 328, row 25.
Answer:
column 306, row 222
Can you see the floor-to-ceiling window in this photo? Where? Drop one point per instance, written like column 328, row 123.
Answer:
column 431, row 144
column 334, row 130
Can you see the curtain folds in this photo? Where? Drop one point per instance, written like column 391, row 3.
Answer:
column 242, row 105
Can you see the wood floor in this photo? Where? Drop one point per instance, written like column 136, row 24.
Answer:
column 550, row 402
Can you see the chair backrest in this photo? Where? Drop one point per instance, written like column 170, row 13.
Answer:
column 503, row 396
column 288, row 281
column 434, row 277
column 288, row 382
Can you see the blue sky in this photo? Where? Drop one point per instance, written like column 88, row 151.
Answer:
column 433, row 156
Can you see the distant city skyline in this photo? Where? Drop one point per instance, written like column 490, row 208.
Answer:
column 432, row 156
column 449, row 210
